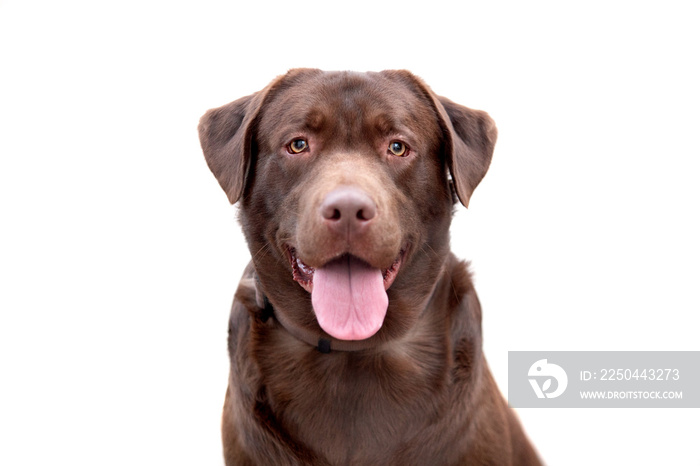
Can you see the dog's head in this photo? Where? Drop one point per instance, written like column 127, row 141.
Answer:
column 343, row 181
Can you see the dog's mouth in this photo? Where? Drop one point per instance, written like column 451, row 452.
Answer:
column 348, row 295
column 304, row 274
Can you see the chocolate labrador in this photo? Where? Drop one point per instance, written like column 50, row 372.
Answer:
column 355, row 334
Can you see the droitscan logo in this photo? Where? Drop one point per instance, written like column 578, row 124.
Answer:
column 546, row 372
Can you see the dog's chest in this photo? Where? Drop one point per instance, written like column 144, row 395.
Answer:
column 356, row 407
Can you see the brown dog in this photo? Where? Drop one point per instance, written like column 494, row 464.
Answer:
column 355, row 335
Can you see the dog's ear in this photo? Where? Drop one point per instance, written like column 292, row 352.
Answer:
column 471, row 137
column 225, row 134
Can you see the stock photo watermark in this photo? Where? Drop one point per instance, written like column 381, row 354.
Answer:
column 604, row 379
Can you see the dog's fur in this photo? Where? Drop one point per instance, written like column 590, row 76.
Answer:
column 419, row 391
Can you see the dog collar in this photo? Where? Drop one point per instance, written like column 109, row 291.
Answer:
column 321, row 341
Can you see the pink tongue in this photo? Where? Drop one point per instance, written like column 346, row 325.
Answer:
column 349, row 299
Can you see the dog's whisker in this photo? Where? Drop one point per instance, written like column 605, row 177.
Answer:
column 265, row 247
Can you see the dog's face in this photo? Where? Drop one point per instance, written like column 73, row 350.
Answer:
column 345, row 198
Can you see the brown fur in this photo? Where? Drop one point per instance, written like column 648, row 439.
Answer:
column 419, row 391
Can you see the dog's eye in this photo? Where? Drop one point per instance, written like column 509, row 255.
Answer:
column 398, row 149
column 298, row 145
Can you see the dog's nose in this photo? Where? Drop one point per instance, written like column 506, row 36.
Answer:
column 348, row 209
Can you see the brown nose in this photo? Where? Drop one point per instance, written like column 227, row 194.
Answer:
column 348, row 210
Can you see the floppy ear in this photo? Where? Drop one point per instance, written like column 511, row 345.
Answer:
column 225, row 134
column 471, row 137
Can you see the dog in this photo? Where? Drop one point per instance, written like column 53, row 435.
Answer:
column 355, row 334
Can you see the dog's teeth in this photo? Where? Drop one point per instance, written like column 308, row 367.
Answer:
column 303, row 267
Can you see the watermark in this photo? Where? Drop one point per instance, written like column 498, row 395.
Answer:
column 543, row 370
column 604, row 379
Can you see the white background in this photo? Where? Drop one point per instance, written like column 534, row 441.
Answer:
column 119, row 253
